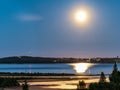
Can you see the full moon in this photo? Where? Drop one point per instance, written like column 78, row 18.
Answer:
column 81, row 16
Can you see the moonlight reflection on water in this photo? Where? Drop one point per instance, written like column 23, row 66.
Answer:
column 81, row 67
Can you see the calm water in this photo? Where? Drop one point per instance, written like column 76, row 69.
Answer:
column 59, row 68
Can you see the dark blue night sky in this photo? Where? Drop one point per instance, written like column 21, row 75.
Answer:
column 45, row 28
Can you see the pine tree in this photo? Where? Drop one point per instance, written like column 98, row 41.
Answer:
column 115, row 75
column 115, row 69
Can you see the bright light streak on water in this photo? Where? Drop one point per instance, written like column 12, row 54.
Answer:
column 81, row 67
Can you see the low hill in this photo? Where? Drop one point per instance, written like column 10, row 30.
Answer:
column 37, row 60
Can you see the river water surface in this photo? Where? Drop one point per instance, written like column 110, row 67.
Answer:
column 75, row 68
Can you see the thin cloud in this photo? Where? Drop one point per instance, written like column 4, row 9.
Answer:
column 29, row 17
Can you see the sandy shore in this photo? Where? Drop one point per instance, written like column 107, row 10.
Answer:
column 56, row 83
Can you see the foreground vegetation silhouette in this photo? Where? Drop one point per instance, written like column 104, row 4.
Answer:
column 8, row 82
column 113, row 84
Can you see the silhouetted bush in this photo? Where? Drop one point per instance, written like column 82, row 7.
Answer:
column 102, row 77
column 25, row 86
column 8, row 82
column 81, row 85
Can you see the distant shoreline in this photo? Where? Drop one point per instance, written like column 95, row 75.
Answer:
column 52, row 60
